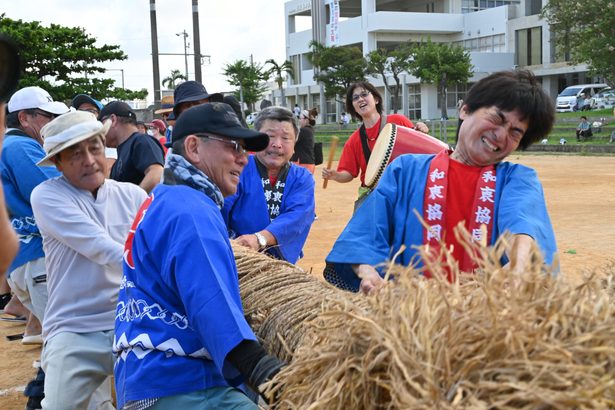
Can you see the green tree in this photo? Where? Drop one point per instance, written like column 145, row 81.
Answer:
column 338, row 67
column 278, row 70
column 171, row 80
column 390, row 63
column 249, row 78
column 442, row 64
column 63, row 60
column 585, row 31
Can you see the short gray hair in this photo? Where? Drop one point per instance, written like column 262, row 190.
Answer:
column 281, row 114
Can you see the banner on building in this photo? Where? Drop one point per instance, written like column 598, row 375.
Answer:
column 334, row 19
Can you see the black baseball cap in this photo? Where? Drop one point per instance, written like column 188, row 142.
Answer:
column 119, row 108
column 218, row 119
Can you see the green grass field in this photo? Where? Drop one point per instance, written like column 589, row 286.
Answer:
column 564, row 127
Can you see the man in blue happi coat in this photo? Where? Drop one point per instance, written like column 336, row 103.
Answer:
column 273, row 208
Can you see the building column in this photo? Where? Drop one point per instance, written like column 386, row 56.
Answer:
column 404, row 96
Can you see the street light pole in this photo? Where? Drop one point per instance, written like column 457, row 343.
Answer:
column 185, row 35
column 118, row 69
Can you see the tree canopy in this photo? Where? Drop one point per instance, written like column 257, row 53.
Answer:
column 249, row 78
column 277, row 71
column 586, row 31
column 390, row 62
column 171, row 80
column 338, row 67
column 63, row 60
column 442, row 64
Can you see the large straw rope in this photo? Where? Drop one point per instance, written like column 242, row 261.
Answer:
column 279, row 299
column 490, row 341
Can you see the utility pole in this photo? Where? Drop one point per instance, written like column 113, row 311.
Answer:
column 197, row 41
column 118, row 69
column 155, row 66
column 185, row 35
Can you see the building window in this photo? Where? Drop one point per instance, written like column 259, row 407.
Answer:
column 528, row 46
column 414, row 101
column 453, row 94
column 470, row 6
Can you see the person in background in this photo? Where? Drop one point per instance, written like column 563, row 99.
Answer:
column 29, row 109
column 273, row 208
column 304, row 148
column 84, row 102
column 191, row 93
column 10, row 245
column 158, row 129
column 364, row 102
column 182, row 341
column 142, row 127
column 140, row 157
column 84, row 220
column 166, row 107
column 297, row 111
column 472, row 186
column 584, row 129
column 236, row 106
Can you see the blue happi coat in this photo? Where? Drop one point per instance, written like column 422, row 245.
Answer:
column 246, row 212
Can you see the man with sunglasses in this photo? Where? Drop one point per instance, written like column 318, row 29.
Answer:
column 181, row 338
column 140, row 156
column 29, row 109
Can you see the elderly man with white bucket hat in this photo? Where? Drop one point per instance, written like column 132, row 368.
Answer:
column 84, row 220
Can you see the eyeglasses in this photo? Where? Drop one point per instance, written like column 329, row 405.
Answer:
column 364, row 94
column 91, row 110
column 45, row 114
column 239, row 149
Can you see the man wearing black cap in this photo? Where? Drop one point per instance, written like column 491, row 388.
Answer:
column 180, row 333
column 83, row 102
column 191, row 93
column 140, row 157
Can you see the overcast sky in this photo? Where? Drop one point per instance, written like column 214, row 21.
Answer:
column 230, row 30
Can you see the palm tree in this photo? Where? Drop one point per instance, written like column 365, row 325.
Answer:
column 278, row 70
column 171, row 80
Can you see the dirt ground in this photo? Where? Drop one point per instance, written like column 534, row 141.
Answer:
column 580, row 192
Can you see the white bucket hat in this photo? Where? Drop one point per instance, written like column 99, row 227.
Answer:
column 35, row 97
column 70, row 129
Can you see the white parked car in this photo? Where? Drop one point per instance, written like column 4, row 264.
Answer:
column 569, row 97
column 604, row 99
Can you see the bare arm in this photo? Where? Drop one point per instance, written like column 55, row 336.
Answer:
column 520, row 252
column 153, row 174
column 341, row 176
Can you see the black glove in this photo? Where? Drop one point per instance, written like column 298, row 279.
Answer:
column 254, row 364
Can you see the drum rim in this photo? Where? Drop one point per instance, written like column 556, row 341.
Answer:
column 384, row 162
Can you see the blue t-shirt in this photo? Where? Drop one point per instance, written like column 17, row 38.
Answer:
column 179, row 308
column 20, row 175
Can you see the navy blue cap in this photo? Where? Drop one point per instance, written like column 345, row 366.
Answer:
column 218, row 119
column 192, row 91
column 81, row 99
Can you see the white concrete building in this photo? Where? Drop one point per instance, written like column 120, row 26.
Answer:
column 499, row 34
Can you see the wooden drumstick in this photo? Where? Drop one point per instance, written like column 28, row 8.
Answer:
column 332, row 149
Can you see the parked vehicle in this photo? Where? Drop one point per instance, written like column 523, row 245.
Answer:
column 604, row 99
column 250, row 118
column 568, row 99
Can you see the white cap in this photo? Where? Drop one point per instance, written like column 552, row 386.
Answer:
column 35, row 97
column 68, row 130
